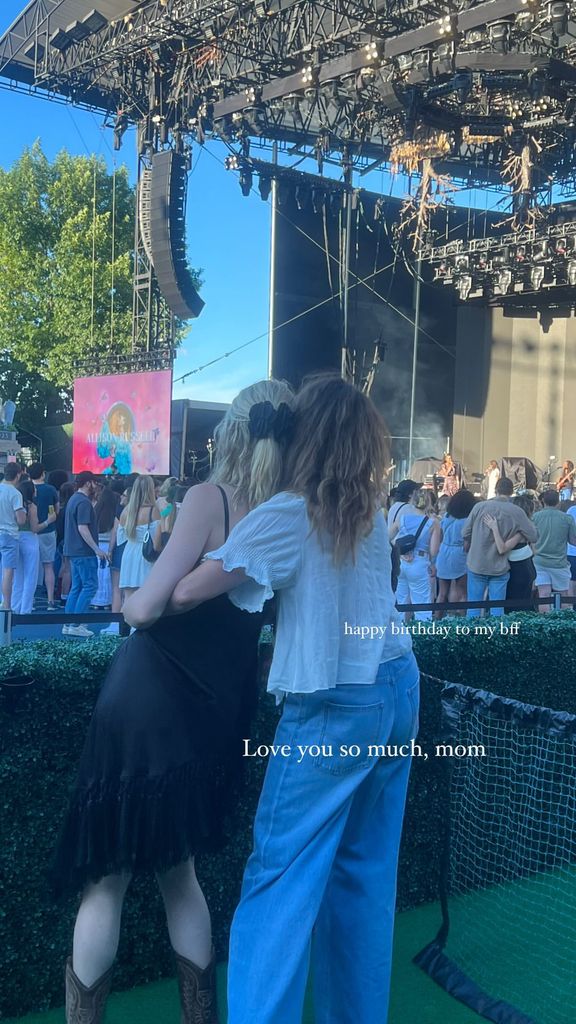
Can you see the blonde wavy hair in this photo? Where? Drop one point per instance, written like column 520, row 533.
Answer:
column 141, row 494
column 337, row 461
column 253, row 468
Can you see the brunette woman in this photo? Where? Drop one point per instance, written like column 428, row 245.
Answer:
column 328, row 824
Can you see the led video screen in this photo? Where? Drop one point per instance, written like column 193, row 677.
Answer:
column 122, row 423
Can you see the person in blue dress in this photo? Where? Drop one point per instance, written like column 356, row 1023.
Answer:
column 451, row 562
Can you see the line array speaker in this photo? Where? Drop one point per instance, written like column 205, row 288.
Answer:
column 163, row 229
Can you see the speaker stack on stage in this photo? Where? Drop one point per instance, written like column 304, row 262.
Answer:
column 163, row 229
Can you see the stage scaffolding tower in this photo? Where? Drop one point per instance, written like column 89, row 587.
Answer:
column 153, row 324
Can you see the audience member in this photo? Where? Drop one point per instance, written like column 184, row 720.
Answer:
column 81, row 547
column 556, row 530
column 47, row 503
column 451, row 561
column 417, row 565
column 488, row 569
column 62, row 563
column 26, row 575
column 136, row 519
column 12, row 516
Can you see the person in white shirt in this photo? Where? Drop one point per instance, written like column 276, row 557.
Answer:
column 12, row 517
column 492, row 477
column 328, row 825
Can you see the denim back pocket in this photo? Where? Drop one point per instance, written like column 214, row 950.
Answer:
column 348, row 731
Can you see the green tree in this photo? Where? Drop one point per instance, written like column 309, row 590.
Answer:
column 66, row 257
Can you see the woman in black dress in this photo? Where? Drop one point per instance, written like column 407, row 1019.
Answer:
column 164, row 743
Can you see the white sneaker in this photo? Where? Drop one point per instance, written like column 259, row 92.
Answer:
column 65, row 630
column 79, row 631
column 112, row 630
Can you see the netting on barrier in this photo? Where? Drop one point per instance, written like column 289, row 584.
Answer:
column 507, row 946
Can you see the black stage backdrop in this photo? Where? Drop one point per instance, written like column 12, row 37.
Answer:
column 307, row 278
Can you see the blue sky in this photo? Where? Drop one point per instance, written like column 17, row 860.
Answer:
column 228, row 236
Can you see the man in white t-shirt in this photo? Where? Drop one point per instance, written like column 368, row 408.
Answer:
column 12, row 517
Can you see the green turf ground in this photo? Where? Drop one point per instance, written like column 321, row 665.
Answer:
column 415, row 999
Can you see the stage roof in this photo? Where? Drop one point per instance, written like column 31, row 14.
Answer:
column 39, row 20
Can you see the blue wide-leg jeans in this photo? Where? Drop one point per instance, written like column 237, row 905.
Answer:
column 322, row 875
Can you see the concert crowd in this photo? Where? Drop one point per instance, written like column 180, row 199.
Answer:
column 448, row 544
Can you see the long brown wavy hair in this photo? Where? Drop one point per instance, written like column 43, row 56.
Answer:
column 337, row 461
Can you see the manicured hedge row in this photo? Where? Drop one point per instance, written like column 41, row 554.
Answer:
column 41, row 735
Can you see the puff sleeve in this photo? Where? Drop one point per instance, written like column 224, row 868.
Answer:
column 267, row 544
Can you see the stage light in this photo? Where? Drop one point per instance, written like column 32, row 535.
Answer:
column 464, row 286
column 335, row 202
column 350, row 84
column 231, row 163
column 318, row 200
column 283, row 192
column 444, row 56
column 537, row 277
column 245, row 180
column 525, row 21
column 520, row 254
column 291, row 102
column 265, row 186
column 302, row 196
column 571, row 272
column 499, row 35
column 558, row 11
column 307, row 75
column 501, row 259
column 540, row 251
column 329, row 90
column 504, row 280
column 461, row 263
column 371, row 51
column 445, row 25
column 560, row 247
column 255, row 118
column 422, row 60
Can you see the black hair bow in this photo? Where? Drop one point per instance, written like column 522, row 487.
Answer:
column 265, row 421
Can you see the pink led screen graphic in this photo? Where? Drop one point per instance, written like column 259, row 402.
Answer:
column 122, row 423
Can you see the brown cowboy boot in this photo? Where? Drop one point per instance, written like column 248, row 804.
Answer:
column 197, row 991
column 86, row 1005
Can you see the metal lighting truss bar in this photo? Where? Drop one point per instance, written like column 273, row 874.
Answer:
column 477, row 17
column 24, row 32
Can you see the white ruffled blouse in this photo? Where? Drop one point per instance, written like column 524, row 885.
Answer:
column 334, row 623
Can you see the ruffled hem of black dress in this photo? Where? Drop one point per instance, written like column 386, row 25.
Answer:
column 143, row 824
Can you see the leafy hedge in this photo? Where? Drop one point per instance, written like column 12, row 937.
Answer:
column 41, row 735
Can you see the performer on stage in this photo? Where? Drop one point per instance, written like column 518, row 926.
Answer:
column 452, row 476
column 491, row 478
column 565, row 484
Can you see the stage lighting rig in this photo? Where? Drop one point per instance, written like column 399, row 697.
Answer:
column 245, row 180
column 558, row 14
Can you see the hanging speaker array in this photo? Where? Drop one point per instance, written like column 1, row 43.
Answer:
column 163, row 229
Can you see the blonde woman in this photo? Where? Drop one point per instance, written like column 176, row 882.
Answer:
column 417, row 579
column 135, row 521
column 165, row 742
column 328, row 825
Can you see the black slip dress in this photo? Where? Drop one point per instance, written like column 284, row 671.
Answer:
column 163, row 752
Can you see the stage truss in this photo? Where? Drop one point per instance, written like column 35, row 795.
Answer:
column 480, row 94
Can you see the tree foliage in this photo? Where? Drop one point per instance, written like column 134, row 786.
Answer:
column 65, row 262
